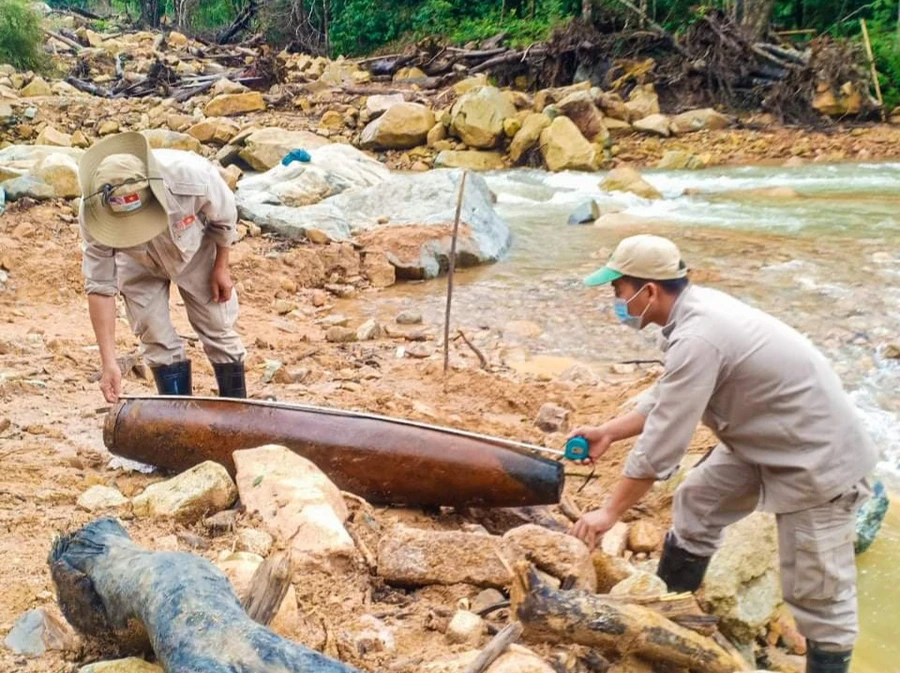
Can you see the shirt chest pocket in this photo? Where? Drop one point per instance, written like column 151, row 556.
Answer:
column 184, row 221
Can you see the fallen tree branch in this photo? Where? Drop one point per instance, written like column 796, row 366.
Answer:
column 610, row 625
column 506, row 637
column 65, row 40
column 481, row 358
column 88, row 87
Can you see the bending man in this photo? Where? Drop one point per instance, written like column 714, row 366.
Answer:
column 790, row 442
column 150, row 219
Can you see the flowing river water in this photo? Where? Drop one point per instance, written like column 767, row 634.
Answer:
column 817, row 246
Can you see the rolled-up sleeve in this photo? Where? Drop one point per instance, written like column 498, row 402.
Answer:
column 98, row 265
column 220, row 211
column 674, row 407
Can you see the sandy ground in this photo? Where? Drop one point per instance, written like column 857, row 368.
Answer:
column 51, row 413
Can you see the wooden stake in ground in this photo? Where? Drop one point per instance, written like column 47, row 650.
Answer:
column 459, row 200
column 868, row 44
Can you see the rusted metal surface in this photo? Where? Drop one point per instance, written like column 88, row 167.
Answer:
column 381, row 459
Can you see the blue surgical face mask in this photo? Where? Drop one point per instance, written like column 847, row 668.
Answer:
column 620, row 306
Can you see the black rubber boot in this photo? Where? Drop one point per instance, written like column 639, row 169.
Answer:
column 679, row 569
column 231, row 379
column 174, row 379
column 823, row 661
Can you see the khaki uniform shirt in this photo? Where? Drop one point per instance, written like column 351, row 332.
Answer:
column 202, row 215
column 765, row 391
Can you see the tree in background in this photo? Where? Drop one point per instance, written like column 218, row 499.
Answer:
column 21, row 37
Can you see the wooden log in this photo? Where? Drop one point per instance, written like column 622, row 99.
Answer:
column 268, row 587
column 611, row 626
column 65, row 40
column 108, row 587
column 88, row 87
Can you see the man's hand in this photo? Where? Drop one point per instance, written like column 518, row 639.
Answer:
column 220, row 284
column 599, row 440
column 111, row 382
column 591, row 526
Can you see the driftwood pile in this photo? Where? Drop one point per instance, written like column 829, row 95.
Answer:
column 714, row 63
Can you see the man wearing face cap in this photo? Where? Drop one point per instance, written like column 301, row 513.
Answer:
column 150, row 219
column 790, row 442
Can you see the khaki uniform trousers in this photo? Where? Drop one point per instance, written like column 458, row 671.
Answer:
column 818, row 565
column 146, row 294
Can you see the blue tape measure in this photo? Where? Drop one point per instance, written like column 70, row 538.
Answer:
column 577, row 448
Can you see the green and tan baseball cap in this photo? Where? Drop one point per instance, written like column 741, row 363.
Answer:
column 124, row 194
column 643, row 256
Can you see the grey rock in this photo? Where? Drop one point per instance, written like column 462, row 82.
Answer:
column 405, row 200
column 870, row 516
column 586, row 213
column 38, row 631
column 409, row 318
column 28, row 186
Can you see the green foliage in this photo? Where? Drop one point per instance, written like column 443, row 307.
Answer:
column 360, row 26
column 20, row 35
column 886, row 49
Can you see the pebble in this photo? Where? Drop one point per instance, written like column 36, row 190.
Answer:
column 420, row 350
column 254, row 541
column 552, row 418
column 340, row 335
column 644, row 536
column 368, row 330
column 283, row 306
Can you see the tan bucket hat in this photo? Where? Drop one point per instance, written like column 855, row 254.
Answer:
column 124, row 195
column 643, row 256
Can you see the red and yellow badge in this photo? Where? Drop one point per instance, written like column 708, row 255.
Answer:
column 186, row 222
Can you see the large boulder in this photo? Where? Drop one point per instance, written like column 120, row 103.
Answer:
column 27, row 186
column 682, row 160
column 215, row 130
column 742, row 586
column 272, row 198
column 472, row 159
column 50, row 136
column 231, row 104
column 547, row 97
column 60, row 171
column 477, row 117
column 402, row 126
column 580, row 108
column 420, row 210
column 657, row 124
column 698, row 120
column 847, row 101
column 188, row 497
column 265, row 148
column 36, row 87
column 291, row 495
column 628, row 179
column 558, row 554
column 380, row 103
column 413, row 557
column 416, row 212
column 163, row 139
column 564, row 148
column 528, row 135
column 642, row 102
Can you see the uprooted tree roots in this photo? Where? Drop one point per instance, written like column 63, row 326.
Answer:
column 714, row 63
